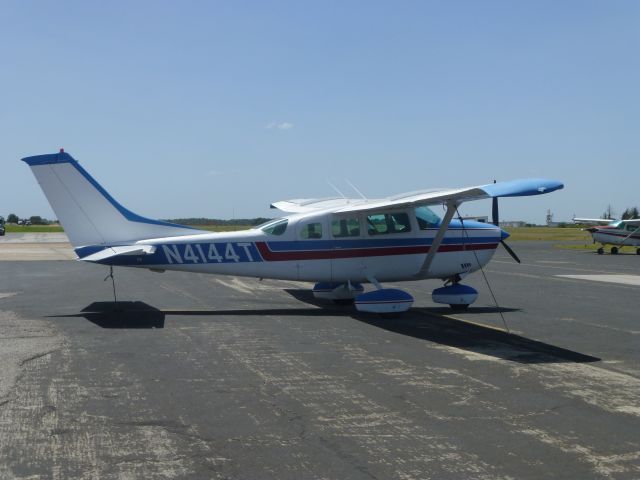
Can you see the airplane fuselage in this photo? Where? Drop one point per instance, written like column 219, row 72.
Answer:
column 323, row 247
column 625, row 235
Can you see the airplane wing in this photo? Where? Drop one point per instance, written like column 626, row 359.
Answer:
column 632, row 221
column 601, row 221
column 304, row 205
column 118, row 251
column 513, row 188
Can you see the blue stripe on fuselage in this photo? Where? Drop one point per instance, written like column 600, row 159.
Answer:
column 309, row 245
column 242, row 252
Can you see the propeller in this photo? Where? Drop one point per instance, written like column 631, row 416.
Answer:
column 510, row 251
column 495, row 219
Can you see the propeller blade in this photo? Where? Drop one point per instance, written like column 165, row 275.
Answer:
column 495, row 217
column 509, row 251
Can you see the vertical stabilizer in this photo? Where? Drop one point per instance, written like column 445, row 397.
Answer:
column 89, row 215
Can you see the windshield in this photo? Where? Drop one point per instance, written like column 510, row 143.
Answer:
column 277, row 227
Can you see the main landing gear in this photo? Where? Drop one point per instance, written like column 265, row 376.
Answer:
column 381, row 300
column 392, row 300
column 338, row 293
column 614, row 251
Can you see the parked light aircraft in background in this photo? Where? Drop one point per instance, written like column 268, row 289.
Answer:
column 620, row 233
column 337, row 243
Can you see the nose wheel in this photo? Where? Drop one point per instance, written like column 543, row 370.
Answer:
column 457, row 296
column 458, row 307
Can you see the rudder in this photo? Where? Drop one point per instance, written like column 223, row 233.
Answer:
column 88, row 213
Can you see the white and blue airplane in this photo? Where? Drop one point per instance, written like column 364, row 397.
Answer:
column 337, row 243
column 609, row 231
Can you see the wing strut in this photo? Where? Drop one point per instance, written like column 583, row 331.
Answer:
column 627, row 237
column 452, row 206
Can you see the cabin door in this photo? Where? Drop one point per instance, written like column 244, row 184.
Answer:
column 347, row 236
column 313, row 247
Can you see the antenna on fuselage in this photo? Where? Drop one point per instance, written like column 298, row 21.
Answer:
column 355, row 188
column 337, row 190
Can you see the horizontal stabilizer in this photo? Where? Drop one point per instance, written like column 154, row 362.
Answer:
column 119, row 251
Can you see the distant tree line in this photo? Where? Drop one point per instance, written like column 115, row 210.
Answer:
column 38, row 220
column 626, row 215
column 217, row 221
column 33, row 220
column 630, row 213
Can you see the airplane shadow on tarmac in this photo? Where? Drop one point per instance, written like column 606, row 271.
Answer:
column 121, row 315
column 429, row 324
column 422, row 323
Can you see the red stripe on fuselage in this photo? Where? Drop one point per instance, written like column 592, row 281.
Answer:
column 271, row 256
column 635, row 236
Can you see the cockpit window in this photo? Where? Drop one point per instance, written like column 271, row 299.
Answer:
column 311, row 230
column 276, row 228
column 345, row 227
column 381, row 223
column 426, row 218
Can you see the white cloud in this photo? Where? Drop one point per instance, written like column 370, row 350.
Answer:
column 280, row 126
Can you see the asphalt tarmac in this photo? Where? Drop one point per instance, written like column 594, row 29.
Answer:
column 195, row 376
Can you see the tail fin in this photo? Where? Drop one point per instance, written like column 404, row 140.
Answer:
column 89, row 215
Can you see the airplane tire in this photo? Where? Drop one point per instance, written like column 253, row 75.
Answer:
column 458, row 306
column 637, row 251
column 343, row 301
column 601, row 251
column 614, row 250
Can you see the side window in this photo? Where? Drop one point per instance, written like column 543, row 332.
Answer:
column 345, row 227
column 383, row 223
column 311, row 230
column 399, row 222
column 376, row 224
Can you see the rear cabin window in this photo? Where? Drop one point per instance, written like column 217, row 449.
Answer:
column 276, row 228
column 345, row 227
column 383, row 223
column 426, row 218
column 311, row 230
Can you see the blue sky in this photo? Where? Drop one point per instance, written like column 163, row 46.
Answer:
column 216, row 109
